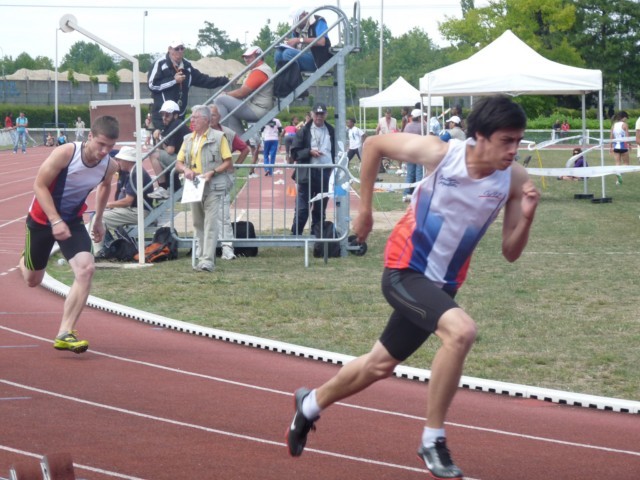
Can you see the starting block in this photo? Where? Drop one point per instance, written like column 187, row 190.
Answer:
column 53, row 466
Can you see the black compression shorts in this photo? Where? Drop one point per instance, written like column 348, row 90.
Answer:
column 39, row 241
column 417, row 305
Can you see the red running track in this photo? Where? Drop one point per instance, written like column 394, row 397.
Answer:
column 151, row 403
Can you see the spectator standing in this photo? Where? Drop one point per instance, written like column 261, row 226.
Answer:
column 288, row 134
column 414, row 171
column 237, row 145
column 619, row 146
column 425, row 266
column 356, row 136
column 258, row 105
column 205, row 155
column 307, row 28
column 149, row 128
column 79, row 130
column 61, row 187
column 123, row 210
column 387, row 124
column 8, row 124
column 22, row 123
column 453, row 130
column 172, row 76
column 164, row 157
column 315, row 145
column 270, row 136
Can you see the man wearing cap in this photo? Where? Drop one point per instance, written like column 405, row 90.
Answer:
column 171, row 77
column 314, row 144
column 453, row 130
column 165, row 157
column 307, row 28
column 261, row 100
column 124, row 209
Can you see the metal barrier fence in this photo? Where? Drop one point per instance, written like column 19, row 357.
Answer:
column 267, row 196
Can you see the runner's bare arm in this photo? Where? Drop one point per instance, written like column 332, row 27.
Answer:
column 427, row 151
column 519, row 213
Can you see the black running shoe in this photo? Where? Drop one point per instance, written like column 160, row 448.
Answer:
column 300, row 425
column 438, row 460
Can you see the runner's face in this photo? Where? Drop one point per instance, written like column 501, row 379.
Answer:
column 97, row 147
column 502, row 146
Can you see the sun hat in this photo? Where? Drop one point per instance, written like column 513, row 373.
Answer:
column 176, row 43
column 416, row 113
column 127, row 154
column 455, row 119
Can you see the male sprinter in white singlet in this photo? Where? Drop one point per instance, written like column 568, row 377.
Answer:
column 62, row 185
column 426, row 260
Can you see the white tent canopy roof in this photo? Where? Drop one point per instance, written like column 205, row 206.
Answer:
column 399, row 94
column 508, row 65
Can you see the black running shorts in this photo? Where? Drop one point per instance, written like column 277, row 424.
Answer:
column 39, row 241
column 417, row 305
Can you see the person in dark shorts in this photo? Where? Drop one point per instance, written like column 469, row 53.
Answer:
column 427, row 258
column 61, row 187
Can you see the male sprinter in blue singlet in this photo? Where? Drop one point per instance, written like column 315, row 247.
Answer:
column 466, row 185
column 62, row 185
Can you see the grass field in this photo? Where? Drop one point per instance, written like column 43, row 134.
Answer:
column 563, row 316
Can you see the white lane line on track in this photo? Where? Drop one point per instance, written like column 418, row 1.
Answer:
column 75, row 465
column 207, row 429
column 348, row 405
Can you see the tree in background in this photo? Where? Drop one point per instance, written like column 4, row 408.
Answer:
column 217, row 40
column 607, row 36
column 544, row 25
column 84, row 57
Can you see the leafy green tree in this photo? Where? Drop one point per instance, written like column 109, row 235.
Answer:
column 411, row 56
column 113, row 79
column 363, row 68
column 607, row 36
column 24, row 60
column 265, row 38
column 84, row 57
column 145, row 61
column 541, row 24
column 217, row 40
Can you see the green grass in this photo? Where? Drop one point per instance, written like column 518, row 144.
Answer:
column 563, row 316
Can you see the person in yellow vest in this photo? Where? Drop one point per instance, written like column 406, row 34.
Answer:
column 258, row 105
column 205, row 156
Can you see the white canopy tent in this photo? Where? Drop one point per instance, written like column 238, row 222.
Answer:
column 399, row 94
column 510, row 66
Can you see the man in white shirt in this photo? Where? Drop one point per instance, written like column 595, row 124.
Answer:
column 356, row 137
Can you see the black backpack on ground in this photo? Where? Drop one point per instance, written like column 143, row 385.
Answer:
column 164, row 246
column 333, row 248
column 122, row 249
column 241, row 231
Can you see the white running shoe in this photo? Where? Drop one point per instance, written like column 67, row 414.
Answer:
column 159, row 192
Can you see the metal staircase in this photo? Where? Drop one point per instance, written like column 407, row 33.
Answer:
column 349, row 42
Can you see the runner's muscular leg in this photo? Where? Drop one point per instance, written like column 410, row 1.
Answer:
column 457, row 331
column 357, row 375
column 83, row 267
